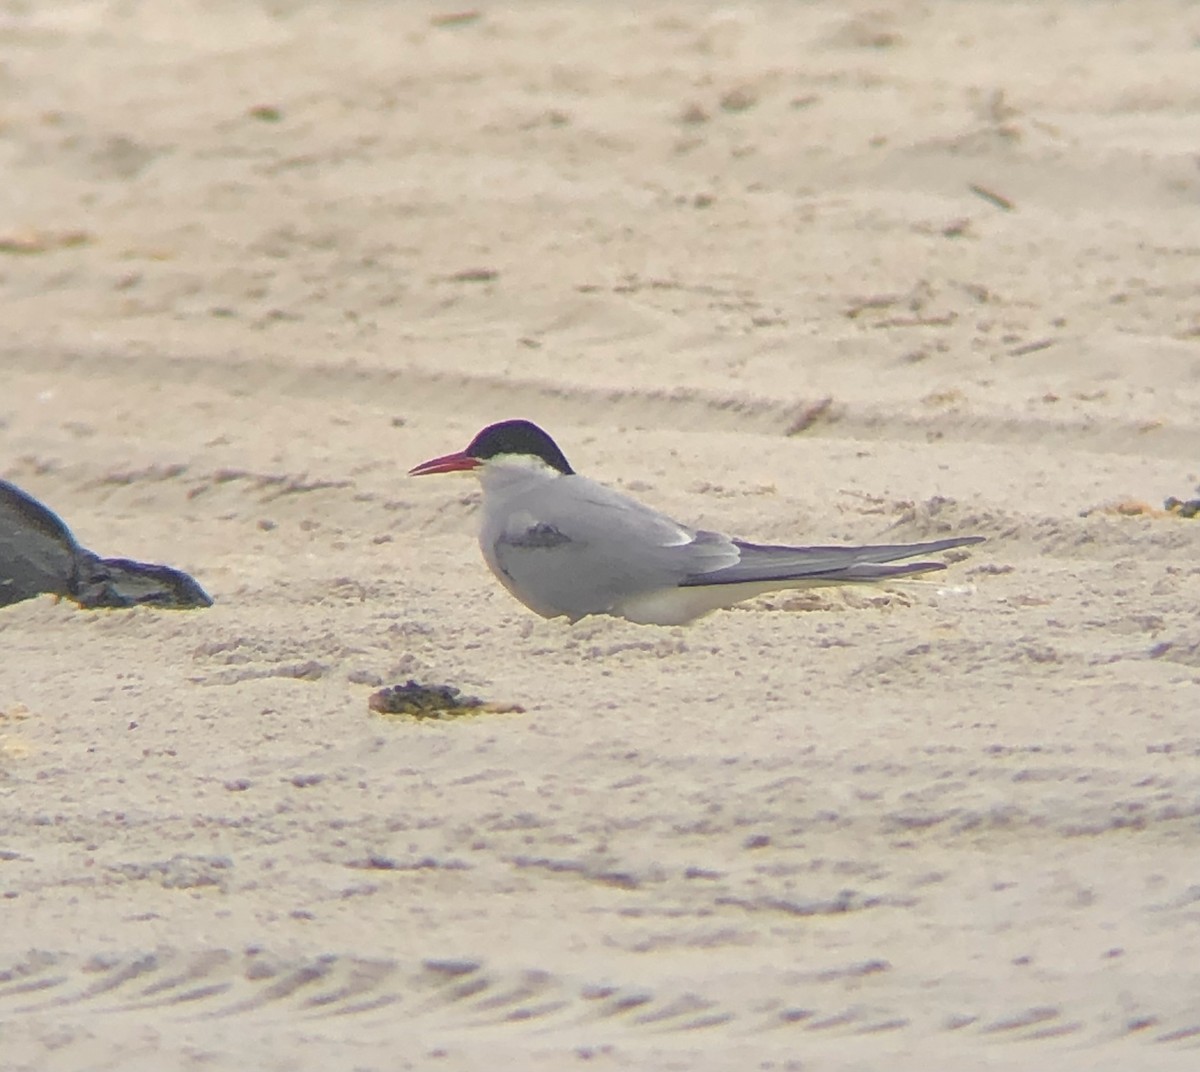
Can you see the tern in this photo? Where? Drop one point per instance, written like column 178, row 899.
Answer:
column 568, row 547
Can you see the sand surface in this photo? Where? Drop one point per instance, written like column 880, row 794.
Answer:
column 811, row 272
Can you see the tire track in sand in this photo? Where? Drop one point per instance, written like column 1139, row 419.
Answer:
column 464, row 994
column 430, row 392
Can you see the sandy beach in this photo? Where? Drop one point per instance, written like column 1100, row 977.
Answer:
column 804, row 273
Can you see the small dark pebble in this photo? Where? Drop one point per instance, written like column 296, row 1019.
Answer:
column 739, row 99
column 455, row 18
column 474, row 275
column 364, row 677
column 303, row 781
column 701, row 872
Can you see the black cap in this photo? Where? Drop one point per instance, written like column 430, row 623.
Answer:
column 518, row 437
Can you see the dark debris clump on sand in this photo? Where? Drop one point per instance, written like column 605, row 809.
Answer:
column 433, row 702
column 1188, row 509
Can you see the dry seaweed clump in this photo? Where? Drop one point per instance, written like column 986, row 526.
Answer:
column 1172, row 507
column 442, row 702
column 1189, row 509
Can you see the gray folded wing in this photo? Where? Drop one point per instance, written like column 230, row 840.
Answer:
column 585, row 548
column 759, row 562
